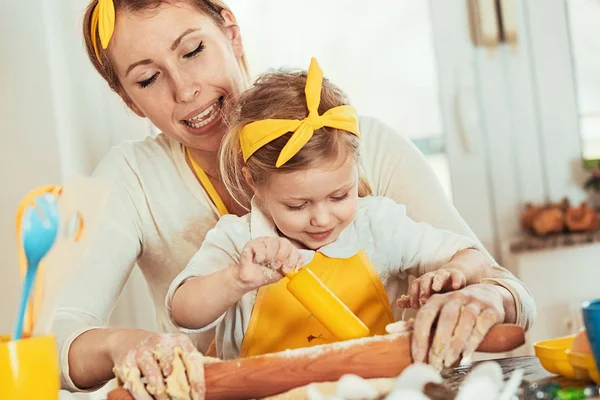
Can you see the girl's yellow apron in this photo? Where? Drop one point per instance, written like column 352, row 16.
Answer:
column 279, row 322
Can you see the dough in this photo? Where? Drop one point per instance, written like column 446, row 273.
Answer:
column 382, row 386
column 352, row 387
column 178, row 387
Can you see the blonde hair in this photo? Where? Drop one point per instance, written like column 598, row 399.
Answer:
column 280, row 95
column 211, row 8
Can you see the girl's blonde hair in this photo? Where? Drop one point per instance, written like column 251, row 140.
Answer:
column 210, row 8
column 280, row 95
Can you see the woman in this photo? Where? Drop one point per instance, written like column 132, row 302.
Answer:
column 174, row 63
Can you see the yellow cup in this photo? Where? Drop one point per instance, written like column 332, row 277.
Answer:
column 29, row 368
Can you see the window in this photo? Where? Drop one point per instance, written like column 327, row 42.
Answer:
column 583, row 16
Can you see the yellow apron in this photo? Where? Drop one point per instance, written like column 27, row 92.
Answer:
column 208, row 186
column 279, row 322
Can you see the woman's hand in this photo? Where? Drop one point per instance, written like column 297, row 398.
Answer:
column 159, row 367
column 463, row 319
column 266, row 260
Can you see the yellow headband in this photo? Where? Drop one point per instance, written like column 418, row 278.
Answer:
column 257, row 134
column 103, row 19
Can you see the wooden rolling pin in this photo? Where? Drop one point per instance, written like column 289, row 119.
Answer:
column 374, row 357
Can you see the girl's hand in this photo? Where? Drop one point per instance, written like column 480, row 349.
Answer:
column 266, row 260
column 442, row 280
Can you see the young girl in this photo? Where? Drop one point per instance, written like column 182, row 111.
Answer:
column 292, row 156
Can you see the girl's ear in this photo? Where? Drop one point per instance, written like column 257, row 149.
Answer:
column 249, row 180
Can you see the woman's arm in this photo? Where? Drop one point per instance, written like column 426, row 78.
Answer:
column 86, row 350
column 396, row 169
column 104, row 347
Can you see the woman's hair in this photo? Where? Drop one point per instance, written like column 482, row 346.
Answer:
column 280, row 95
column 211, row 8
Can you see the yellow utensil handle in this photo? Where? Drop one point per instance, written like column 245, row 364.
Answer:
column 325, row 306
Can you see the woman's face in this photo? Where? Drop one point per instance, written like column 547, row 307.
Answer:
column 176, row 66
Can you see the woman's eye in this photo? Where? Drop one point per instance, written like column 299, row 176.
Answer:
column 195, row 52
column 149, row 81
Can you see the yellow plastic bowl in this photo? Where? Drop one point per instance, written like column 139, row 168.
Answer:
column 29, row 368
column 584, row 366
column 553, row 355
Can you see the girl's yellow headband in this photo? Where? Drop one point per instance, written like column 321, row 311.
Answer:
column 103, row 20
column 257, row 134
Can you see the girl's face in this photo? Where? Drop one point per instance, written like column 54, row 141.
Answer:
column 176, row 66
column 311, row 207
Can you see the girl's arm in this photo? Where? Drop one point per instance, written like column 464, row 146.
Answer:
column 472, row 264
column 199, row 302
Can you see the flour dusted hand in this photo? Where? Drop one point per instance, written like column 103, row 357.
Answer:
column 463, row 318
column 266, row 260
column 163, row 366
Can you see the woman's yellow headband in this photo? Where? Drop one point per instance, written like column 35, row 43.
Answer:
column 257, row 134
column 103, row 20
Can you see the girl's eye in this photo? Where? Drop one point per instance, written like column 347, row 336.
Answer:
column 148, row 82
column 296, row 208
column 340, row 198
column 195, row 52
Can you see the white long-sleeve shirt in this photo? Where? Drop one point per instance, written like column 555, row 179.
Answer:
column 158, row 215
column 395, row 244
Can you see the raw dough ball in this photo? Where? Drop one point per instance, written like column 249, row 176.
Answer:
column 352, row 387
column 415, row 376
column 406, row 394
